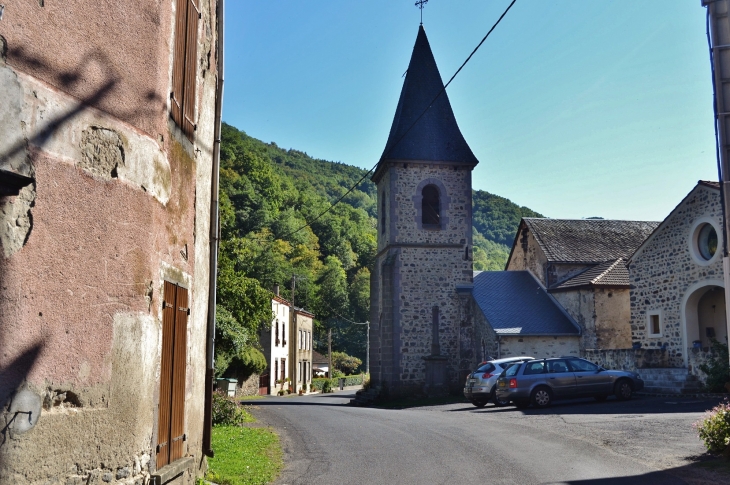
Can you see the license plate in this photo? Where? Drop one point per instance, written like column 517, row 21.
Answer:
column 472, row 381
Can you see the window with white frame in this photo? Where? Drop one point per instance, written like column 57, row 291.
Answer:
column 654, row 323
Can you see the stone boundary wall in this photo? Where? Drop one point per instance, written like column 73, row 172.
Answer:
column 697, row 357
column 628, row 359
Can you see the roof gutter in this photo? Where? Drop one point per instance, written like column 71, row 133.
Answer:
column 214, row 240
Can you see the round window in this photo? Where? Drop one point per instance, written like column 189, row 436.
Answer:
column 707, row 241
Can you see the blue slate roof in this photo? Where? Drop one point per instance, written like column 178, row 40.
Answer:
column 514, row 303
column 435, row 136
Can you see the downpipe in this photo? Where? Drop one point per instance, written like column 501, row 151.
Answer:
column 214, row 242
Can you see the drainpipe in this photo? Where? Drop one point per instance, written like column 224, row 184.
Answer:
column 214, row 239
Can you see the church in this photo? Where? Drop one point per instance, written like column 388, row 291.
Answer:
column 421, row 324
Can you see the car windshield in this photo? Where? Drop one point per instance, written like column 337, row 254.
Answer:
column 488, row 367
column 580, row 365
column 512, row 369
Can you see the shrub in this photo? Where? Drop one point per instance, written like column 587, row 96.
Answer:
column 717, row 368
column 227, row 411
column 714, row 429
column 327, row 386
column 345, row 363
column 337, row 373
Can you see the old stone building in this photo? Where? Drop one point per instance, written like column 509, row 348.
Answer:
column 301, row 349
column 107, row 127
column 582, row 264
column 677, row 289
column 420, row 324
column 275, row 341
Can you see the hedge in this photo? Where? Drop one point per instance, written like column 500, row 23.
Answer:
column 356, row 380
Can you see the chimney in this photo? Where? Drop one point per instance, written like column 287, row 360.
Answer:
column 276, row 290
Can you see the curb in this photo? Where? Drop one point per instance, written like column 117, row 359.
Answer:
column 694, row 395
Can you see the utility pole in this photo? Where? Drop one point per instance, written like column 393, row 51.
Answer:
column 718, row 23
column 367, row 350
column 329, row 352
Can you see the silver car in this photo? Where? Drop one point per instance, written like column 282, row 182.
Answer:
column 539, row 382
column 480, row 385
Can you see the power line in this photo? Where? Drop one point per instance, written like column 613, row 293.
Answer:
column 308, row 224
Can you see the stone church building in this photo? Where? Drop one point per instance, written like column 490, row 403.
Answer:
column 421, row 329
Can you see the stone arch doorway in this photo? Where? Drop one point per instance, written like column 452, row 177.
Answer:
column 704, row 315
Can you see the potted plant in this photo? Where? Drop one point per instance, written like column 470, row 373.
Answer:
column 301, row 391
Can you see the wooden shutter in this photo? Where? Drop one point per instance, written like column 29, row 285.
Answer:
column 191, row 69
column 171, row 418
column 179, row 364
column 185, row 66
column 168, row 329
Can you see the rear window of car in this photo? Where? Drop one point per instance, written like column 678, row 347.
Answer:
column 534, row 368
column 512, row 369
column 485, row 368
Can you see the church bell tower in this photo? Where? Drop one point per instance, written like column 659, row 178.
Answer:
column 420, row 319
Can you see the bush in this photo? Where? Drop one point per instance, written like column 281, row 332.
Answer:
column 345, row 363
column 714, row 429
column 337, row 373
column 327, row 386
column 227, row 411
column 717, row 368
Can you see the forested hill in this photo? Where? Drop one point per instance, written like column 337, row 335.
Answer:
column 268, row 195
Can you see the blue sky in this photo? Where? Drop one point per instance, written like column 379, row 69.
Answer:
column 574, row 108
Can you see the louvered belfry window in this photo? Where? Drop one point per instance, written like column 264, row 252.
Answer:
column 171, row 422
column 431, row 206
column 185, row 66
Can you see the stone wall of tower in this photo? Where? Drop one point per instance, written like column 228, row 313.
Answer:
column 418, row 268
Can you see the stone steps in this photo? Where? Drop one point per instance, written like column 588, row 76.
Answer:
column 365, row 398
column 669, row 381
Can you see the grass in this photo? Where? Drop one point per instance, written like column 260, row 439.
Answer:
column 410, row 402
column 244, row 456
column 251, row 398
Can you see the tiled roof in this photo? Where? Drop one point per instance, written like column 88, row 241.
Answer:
column 610, row 273
column 422, row 130
column 589, row 241
column 514, row 303
column 318, row 358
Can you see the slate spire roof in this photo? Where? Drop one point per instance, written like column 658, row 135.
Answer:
column 435, row 136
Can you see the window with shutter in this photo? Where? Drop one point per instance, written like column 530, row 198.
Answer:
column 171, row 415
column 185, row 66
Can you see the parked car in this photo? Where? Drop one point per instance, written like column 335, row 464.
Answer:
column 481, row 384
column 539, row 382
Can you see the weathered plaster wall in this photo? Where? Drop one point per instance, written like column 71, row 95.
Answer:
column 580, row 304
column 528, row 255
column 539, row 347
column 665, row 277
column 602, row 313
column 121, row 203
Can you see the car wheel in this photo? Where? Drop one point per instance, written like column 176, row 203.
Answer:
column 479, row 404
column 500, row 403
column 541, row 397
column 522, row 404
column 623, row 390
column 600, row 397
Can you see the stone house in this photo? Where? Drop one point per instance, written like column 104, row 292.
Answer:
column 581, row 263
column 420, row 329
column 677, row 288
column 275, row 341
column 514, row 315
column 301, row 349
column 107, row 126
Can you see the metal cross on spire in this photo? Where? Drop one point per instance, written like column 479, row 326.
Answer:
column 420, row 4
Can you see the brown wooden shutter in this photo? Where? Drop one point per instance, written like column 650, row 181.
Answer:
column 185, row 66
column 179, row 365
column 166, row 370
column 178, row 63
column 173, row 366
column 191, row 70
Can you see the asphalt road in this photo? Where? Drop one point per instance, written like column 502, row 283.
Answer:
column 643, row 441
